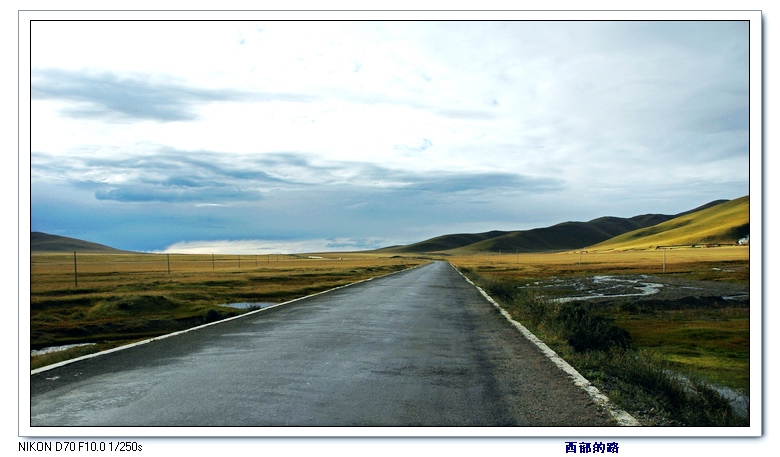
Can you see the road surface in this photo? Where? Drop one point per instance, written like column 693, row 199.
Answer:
column 418, row 348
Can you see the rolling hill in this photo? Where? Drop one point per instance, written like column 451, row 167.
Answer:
column 44, row 242
column 445, row 242
column 559, row 237
column 725, row 223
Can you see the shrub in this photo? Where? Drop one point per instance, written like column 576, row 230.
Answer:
column 585, row 330
column 130, row 304
column 504, row 291
column 213, row 315
column 538, row 309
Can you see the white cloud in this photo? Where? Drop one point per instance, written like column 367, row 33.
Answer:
column 520, row 115
column 265, row 247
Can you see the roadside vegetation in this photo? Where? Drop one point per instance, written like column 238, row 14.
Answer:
column 116, row 299
column 659, row 362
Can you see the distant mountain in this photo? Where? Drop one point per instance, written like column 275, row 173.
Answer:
column 446, row 242
column 723, row 223
column 559, row 237
column 43, row 242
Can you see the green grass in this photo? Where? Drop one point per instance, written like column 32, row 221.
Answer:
column 714, row 344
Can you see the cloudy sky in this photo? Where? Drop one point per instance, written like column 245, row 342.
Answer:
column 260, row 137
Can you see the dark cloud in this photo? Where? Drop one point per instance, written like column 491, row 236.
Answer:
column 462, row 182
column 351, row 244
column 168, row 176
column 150, row 193
column 212, row 177
column 447, row 182
column 109, row 96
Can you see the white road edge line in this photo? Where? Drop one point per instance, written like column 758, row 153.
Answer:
column 138, row 343
column 620, row 416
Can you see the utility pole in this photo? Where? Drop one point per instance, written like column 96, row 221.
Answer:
column 664, row 260
column 75, row 270
column 168, row 256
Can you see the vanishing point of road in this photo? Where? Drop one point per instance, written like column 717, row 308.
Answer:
column 421, row 347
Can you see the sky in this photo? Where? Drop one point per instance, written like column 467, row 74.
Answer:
column 285, row 136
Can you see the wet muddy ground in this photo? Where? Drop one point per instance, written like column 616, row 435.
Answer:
column 661, row 289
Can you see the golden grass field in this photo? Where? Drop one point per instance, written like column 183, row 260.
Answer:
column 51, row 271
column 698, row 263
column 113, row 299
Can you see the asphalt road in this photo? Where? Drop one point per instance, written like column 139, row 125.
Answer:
column 416, row 348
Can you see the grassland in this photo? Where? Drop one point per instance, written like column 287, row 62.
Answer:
column 693, row 263
column 627, row 348
column 722, row 224
column 633, row 350
column 115, row 299
column 713, row 343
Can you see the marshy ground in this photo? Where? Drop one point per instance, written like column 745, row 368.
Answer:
column 645, row 288
column 701, row 326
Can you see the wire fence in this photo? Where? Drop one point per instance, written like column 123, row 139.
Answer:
column 82, row 264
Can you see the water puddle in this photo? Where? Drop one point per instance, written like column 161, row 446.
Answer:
column 739, row 401
column 606, row 287
column 49, row 350
column 249, row 305
column 745, row 296
column 611, row 286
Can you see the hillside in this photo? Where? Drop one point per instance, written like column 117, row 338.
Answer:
column 724, row 223
column 567, row 235
column 445, row 242
column 43, row 242
column 559, row 237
